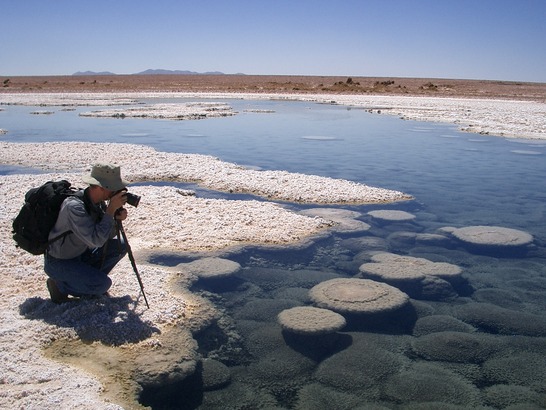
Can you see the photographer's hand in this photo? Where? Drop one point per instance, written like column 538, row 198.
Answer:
column 121, row 214
column 116, row 202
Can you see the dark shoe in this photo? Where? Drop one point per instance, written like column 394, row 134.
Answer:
column 55, row 293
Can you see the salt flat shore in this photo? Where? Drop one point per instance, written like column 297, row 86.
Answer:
column 497, row 117
column 46, row 365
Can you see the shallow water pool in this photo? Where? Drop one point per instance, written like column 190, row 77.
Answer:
column 478, row 342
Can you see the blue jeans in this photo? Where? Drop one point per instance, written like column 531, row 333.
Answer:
column 86, row 274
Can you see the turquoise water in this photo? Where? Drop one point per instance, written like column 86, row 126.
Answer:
column 484, row 345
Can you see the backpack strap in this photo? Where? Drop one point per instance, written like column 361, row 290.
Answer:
column 58, row 237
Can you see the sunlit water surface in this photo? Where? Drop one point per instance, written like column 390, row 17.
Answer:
column 485, row 346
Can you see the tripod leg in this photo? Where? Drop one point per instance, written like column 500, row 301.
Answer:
column 132, row 259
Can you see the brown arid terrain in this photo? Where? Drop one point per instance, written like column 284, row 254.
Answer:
column 277, row 84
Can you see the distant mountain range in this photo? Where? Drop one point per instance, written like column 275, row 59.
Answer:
column 93, row 73
column 160, row 71
column 151, row 72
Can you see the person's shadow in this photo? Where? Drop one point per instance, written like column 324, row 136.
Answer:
column 109, row 320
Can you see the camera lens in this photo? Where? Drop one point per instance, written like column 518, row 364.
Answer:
column 132, row 199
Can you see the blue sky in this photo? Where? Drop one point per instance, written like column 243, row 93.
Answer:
column 472, row 39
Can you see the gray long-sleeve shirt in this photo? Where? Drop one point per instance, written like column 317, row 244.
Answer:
column 89, row 230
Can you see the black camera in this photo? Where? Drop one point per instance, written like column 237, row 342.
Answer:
column 132, row 199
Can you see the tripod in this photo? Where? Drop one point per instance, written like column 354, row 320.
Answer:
column 131, row 258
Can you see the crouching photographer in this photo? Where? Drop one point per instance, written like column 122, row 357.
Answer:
column 78, row 264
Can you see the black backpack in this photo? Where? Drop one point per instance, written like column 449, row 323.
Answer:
column 38, row 215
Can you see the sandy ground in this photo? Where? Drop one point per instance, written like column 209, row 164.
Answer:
column 424, row 87
column 92, row 353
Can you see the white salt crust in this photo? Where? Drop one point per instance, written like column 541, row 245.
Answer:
column 507, row 118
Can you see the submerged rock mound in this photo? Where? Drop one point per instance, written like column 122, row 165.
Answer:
column 456, row 347
column 386, row 215
column 344, row 220
column 418, row 277
column 497, row 320
column 308, row 320
column 215, row 374
column 367, row 305
column 387, row 266
column 493, row 239
column 357, row 296
column 431, row 384
column 312, row 331
column 440, row 323
column 211, row 268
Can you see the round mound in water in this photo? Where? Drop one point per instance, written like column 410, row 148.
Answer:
column 309, row 320
column 391, row 215
column 211, row 268
column 357, row 296
column 389, row 266
column 487, row 239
